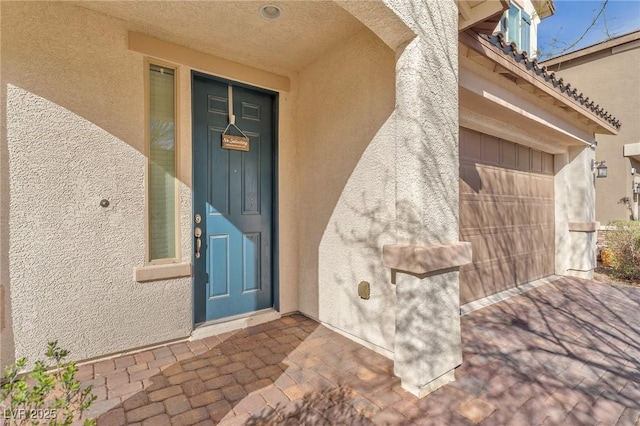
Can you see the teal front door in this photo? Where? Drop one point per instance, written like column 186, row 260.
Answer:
column 233, row 200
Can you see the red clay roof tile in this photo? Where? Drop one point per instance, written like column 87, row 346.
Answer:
column 521, row 57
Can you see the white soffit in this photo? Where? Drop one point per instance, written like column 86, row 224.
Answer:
column 472, row 12
column 492, row 108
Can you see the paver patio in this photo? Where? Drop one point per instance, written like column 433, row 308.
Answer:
column 566, row 353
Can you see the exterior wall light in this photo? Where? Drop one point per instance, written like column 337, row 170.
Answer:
column 599, row 168
column 270, row 12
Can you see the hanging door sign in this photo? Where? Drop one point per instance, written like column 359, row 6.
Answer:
column 239, row 143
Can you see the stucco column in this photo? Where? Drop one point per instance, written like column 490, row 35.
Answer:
column 575, row 213
column 427, row 340
column 582, row 225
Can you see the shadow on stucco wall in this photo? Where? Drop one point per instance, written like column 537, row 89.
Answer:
column 367, row 223
column 345, row 100
column 628, row 202
column 56, row 37
column 364, row 211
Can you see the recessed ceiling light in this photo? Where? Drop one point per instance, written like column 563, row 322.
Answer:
column 270, row 12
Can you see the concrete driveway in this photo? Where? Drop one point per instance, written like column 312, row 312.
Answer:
column 566, row 353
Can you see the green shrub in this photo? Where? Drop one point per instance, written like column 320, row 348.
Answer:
column 46, row 395
column 624, row 241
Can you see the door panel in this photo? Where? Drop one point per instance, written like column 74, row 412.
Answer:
column 233, row 193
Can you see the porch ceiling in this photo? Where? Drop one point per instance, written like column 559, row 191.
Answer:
column 236, row 31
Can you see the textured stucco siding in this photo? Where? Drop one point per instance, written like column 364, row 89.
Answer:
column 581, row 195
column 378, row 164
column 368, row 156
column 75, row 135
column 574, row 194
column 346, row 192
column 427, row 346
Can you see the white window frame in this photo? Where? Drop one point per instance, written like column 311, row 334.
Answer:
column 505, row 23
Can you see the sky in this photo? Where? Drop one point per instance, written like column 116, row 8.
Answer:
column 557, row 33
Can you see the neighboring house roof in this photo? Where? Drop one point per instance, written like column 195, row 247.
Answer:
column 522, row 61
column 594, row 48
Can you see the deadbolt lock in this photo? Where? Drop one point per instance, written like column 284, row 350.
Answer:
column 198, row 218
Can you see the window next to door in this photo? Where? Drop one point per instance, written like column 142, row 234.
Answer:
column 162, row 217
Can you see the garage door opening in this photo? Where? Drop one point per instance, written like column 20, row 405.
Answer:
column 506, row 213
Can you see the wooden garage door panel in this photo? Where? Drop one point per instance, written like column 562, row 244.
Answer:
column 487, row 212
column 499, row 243
column 506, row 212
column 495, row 275
column 488, row 280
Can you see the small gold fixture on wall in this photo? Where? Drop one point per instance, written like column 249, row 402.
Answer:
column 364, row 290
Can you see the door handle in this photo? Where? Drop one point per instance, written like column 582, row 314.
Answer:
column 198, row 233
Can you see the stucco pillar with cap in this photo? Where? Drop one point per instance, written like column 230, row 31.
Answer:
column 576, row 228
column 425, row 259
column 582, row 225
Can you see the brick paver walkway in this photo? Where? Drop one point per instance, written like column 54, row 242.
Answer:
column 567, row 353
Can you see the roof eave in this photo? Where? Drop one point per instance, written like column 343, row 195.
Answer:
column 469, row 16
column 544, row 8
column 536, row 81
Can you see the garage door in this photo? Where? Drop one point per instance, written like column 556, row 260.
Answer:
column 506, row 213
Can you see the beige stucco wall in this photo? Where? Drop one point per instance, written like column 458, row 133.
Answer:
column 75, row 134
column 575, row 204
column 346, row 191
column 613, row 81
column 365, row 135
column 427, row 345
